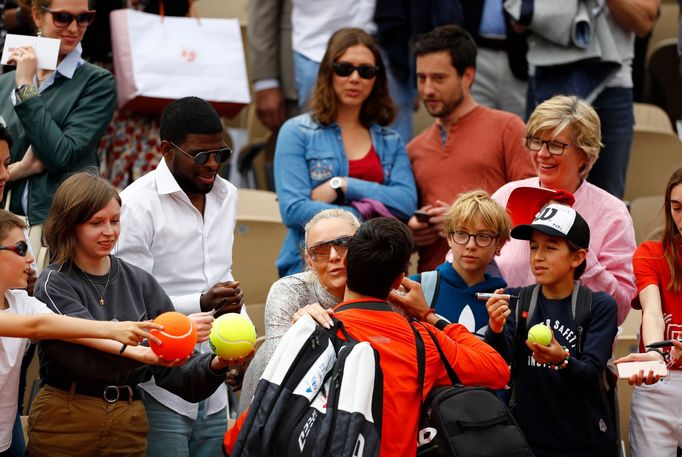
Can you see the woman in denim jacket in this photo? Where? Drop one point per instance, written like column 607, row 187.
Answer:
column 341, row 154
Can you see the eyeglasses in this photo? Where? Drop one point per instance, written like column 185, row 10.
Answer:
column 321, row 251
column 64, row 19
column 201, row 157
column 556, row 148
column 344, row 69
column 20, row 248
column 482, row 240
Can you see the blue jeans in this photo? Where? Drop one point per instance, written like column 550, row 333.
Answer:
column 18, row 447
column 402, row 93
column 614, row 106
column 172, row 434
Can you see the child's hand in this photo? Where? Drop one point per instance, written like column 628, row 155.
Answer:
column 146, row 355
column 203, row 322
column 554, row 353
column 132, row 333
column 498, row 310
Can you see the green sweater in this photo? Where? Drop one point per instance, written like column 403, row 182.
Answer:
column 64, row 124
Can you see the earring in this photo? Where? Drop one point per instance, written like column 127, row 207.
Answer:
column 39, row 33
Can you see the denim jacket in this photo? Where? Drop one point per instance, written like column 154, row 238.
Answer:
column 308, row 154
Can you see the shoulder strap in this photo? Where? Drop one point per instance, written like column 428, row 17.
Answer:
column 525, row 306
column 451, row 372
column 430, row 281
column 421, row 360
column 581, row 306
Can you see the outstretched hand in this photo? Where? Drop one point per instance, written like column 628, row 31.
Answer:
column 132, row 333
column 410, row 298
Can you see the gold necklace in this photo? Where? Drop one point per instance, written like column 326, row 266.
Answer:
column 101, row 296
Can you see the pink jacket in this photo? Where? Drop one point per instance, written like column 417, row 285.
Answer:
column 612, row 245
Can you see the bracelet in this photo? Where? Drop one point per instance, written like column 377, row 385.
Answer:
column 426, row 314
column 664, row 354
column 123, row 348
column 564, row 363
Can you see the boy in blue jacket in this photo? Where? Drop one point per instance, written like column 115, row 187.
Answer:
column 476, row 228
column 558, row 398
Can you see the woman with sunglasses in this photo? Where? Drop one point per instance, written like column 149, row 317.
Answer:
column 56, row 117
column 563, row 138
column 90, row 403
column 326, row 240
column 341, row 154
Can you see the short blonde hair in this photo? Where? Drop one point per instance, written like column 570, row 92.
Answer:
column 471, row 206
column 332, row 213
column 561, row 111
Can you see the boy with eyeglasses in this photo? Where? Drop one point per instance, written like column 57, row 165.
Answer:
column 23, row 317
column 476, row 228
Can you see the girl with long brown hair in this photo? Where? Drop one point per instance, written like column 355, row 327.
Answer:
column 654, row 425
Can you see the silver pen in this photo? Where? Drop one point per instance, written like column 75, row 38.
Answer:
column 485, row 296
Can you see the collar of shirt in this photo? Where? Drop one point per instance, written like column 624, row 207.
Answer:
column 166, row 183
column 66, row 68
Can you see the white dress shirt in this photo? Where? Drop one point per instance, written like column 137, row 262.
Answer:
column 163, row 233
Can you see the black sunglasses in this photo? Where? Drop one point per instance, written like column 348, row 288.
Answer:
column 20, row 248
column 321, row 251
column 344, row 69
column 64, row 19
column 200, row 158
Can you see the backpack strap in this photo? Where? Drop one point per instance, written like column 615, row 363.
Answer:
column 430, row 281
column 581, row 306
column 451, row 371
column 421, row 360
column 525, row 306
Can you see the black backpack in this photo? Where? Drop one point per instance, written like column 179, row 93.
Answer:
column 581, row 308
column 463, row 421
column 319, row 395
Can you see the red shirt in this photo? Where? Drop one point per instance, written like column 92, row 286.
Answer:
column 650, row 268
column 390, row 334
column 368, row 168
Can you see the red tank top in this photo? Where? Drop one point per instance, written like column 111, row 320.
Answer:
column 368, row 168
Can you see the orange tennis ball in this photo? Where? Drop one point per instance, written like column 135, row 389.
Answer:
column 232, row 336
column 179, row 336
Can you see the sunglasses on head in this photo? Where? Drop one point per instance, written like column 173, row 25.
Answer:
column 64, row 19
column 321, row 251
column 20, row 248
column 201, row 157
column 344, row 69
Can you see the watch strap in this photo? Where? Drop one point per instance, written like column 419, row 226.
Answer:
column 26, row 91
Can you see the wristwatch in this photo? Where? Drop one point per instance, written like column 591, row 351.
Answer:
column 337, row 184
column 25, row 91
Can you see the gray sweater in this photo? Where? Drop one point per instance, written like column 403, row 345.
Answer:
column 131, row 294
column 286, row 296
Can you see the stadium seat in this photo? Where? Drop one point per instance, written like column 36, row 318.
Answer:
column 652, row 116
column 665, row 84
column 647, row 216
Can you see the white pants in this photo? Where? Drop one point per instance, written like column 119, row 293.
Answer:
column 656, row 419
column 495, row 86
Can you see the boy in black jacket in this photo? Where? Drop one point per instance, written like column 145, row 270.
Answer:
column 557, row 399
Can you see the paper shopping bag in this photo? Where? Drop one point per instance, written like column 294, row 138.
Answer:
column 160, row 59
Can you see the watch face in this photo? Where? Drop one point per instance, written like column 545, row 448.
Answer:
column 335, row 182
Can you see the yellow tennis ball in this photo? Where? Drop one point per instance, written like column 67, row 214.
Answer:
column 541, row 334
column 232, row 336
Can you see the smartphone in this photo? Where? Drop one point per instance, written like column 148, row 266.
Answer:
column 422, row 216
column 627, row 369
column 662, row 344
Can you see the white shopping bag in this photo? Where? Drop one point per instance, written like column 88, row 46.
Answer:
column 160, row 59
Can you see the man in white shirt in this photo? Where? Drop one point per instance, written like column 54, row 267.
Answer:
column 178, row 224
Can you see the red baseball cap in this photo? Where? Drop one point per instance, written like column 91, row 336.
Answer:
column 525, row 202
